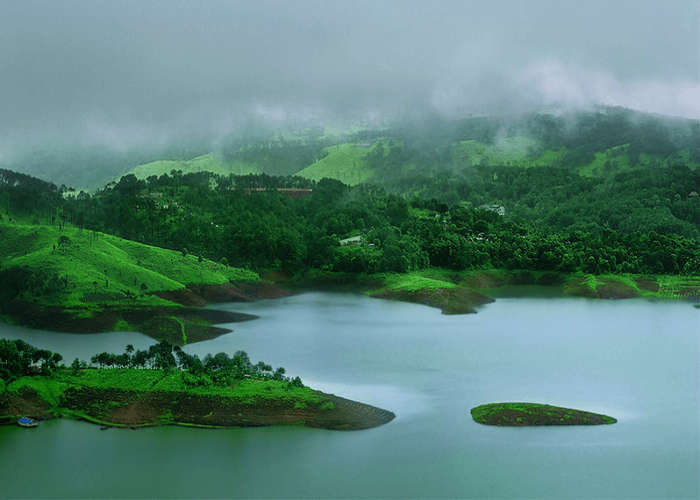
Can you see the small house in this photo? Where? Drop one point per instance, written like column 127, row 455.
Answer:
column 354, row 240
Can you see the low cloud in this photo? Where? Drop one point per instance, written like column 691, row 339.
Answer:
column 130, row 73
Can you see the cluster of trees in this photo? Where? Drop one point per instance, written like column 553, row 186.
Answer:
column 17, row 358
column 218, row 369
column 23, row 281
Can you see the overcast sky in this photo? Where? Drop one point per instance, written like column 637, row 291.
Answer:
column 128, row 72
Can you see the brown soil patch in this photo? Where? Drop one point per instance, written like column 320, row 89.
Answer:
column 184, row 296
column 25, row 403
column 616, row 290
column 648, row 284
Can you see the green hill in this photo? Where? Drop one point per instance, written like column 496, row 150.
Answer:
column 71, row 276
column 205, row 163
column 344, row 162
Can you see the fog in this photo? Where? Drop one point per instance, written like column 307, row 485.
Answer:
column 130, row 73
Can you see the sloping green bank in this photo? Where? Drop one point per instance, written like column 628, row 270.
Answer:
column 139, row 398
column 67, row 279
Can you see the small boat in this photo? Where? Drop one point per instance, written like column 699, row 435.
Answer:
column 27, row 422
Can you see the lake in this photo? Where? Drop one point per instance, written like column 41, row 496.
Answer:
column 635, row 360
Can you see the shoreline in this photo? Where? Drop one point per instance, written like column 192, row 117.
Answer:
column 453, row 292
column 44, row 398
column 186, row 321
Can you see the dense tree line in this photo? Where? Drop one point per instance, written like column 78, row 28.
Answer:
column 220, row 218
column 554, row 221
column 218, row 369
column 18, row 358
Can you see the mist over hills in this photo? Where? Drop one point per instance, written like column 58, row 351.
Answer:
column 593, row 142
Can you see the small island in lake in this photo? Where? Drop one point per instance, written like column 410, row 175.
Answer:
column 521, row 414
column 163, row 385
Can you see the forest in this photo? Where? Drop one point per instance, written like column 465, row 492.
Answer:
column 645, row 221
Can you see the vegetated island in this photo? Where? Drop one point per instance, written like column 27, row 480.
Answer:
column 166, row 386
column 522, row 414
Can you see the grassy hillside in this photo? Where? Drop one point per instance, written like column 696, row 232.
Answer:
column 344, row 162
column 517, row 151
column 209, row 162
column 92, row 268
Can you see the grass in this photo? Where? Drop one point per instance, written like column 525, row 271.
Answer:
column 344, row 162
column 521, row 414
column 209, row 162
column 100, row 268
column 131, row 379
column 413, row 281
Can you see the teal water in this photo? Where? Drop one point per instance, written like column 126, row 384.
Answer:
column 635, row 360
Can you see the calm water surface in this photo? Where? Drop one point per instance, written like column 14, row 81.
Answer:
column 635, row 360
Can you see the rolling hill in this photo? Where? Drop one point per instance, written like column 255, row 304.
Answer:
column 83, row 280
column 344, row 162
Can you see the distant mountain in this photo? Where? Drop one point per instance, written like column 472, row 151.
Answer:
column 594, row 142
column 206, row 163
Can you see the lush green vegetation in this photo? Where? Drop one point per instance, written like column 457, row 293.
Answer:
column 68, row 266
column 164, row 385
column 162, row 367
column 521, row 414
column 608, row 192
column 344, row 162
column 219, row 369
column 17, row 358
column 269, row 230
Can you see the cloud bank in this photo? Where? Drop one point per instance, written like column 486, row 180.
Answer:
column 127, row 73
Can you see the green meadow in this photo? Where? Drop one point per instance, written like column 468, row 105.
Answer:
column 344, row 162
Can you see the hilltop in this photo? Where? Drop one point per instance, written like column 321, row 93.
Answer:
column 204, row 163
